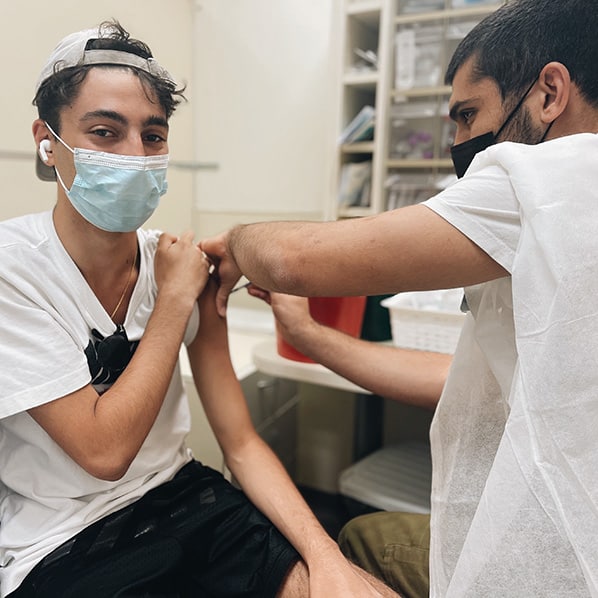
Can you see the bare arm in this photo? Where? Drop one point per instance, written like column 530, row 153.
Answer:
column 259, row 472
column 104, row 433
column 409, row 376
column 406, row 249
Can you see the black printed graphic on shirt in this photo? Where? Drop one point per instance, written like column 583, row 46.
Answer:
column 107, row 357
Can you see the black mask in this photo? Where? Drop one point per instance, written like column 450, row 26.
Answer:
column 462, row 154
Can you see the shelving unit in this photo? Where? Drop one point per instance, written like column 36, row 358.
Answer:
column 409, row 152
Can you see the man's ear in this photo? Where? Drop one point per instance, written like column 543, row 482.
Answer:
column 555, row 85
column 43, row 144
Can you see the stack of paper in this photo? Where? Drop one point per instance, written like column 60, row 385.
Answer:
column 361, row 128
column 355, row 184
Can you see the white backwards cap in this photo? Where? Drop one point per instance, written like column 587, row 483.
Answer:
column 72, row 51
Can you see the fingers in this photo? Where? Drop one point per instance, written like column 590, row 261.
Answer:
column 187, row 236
column 166, row 239
column 259, row 293
column 225, row 267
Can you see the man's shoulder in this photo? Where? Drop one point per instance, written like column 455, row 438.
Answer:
column 148, row 241
column 30, row 229
column 511, row 152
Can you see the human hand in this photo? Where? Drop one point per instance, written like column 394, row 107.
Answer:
column 226, row 268
column 181, row 268
column 291, row 312
column 341, row 578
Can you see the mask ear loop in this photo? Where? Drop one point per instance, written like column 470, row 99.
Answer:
column 68, row 147
column 546, row 132
column 515, row 110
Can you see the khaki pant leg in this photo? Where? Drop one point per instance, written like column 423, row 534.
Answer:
column 395, row 547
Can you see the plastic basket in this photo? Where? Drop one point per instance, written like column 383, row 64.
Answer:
column 426, row 320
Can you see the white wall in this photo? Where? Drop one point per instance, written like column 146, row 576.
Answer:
column 265, row 91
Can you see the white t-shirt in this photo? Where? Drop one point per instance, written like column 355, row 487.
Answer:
column 47, row 312
column 514, row 437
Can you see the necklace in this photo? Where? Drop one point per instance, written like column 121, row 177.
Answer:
column 126, row 286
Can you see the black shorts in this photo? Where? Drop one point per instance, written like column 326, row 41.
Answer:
column 196, row 535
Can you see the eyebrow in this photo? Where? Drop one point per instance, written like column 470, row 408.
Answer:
column 119, row 118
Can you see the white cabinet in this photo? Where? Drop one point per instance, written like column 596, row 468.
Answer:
column 408, row 157
column 367, row 29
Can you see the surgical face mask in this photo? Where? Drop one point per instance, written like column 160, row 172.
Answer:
column 113, row 192
column 463, row 154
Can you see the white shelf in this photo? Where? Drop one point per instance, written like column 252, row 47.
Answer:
column 366, row 79
column 449, row 13
column 365, row 7
column 355, row 212
column 419, row 164
column 362, row 147
column 420, row 92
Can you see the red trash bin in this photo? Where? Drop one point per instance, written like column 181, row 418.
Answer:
column 342, row 313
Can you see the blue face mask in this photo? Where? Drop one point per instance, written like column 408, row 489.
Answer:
column 116, row 193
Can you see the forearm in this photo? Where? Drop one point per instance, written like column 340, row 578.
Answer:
column 306, row 258
column 103, row 434
column 125, row 413
column 257, row 468
column 409, row 376
column 250, row 460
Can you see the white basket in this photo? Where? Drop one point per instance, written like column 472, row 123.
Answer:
column 426, row 320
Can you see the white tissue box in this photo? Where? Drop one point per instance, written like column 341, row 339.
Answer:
column 426, row 320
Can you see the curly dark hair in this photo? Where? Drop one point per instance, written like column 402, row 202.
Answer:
column 62, row 88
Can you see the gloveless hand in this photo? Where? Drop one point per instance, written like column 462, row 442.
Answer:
column 181, row 268
column 226, row 268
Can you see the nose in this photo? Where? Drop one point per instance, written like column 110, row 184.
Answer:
column 133, row 145
column 460, row 136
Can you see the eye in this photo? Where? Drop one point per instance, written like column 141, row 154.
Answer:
column 102, row 133
column 154, row 138
column 467, row 115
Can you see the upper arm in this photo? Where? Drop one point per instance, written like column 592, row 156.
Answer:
column 217, row 385
column 69, row 422
column 427, row 252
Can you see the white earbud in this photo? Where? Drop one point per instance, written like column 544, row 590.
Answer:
column 44, row 147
